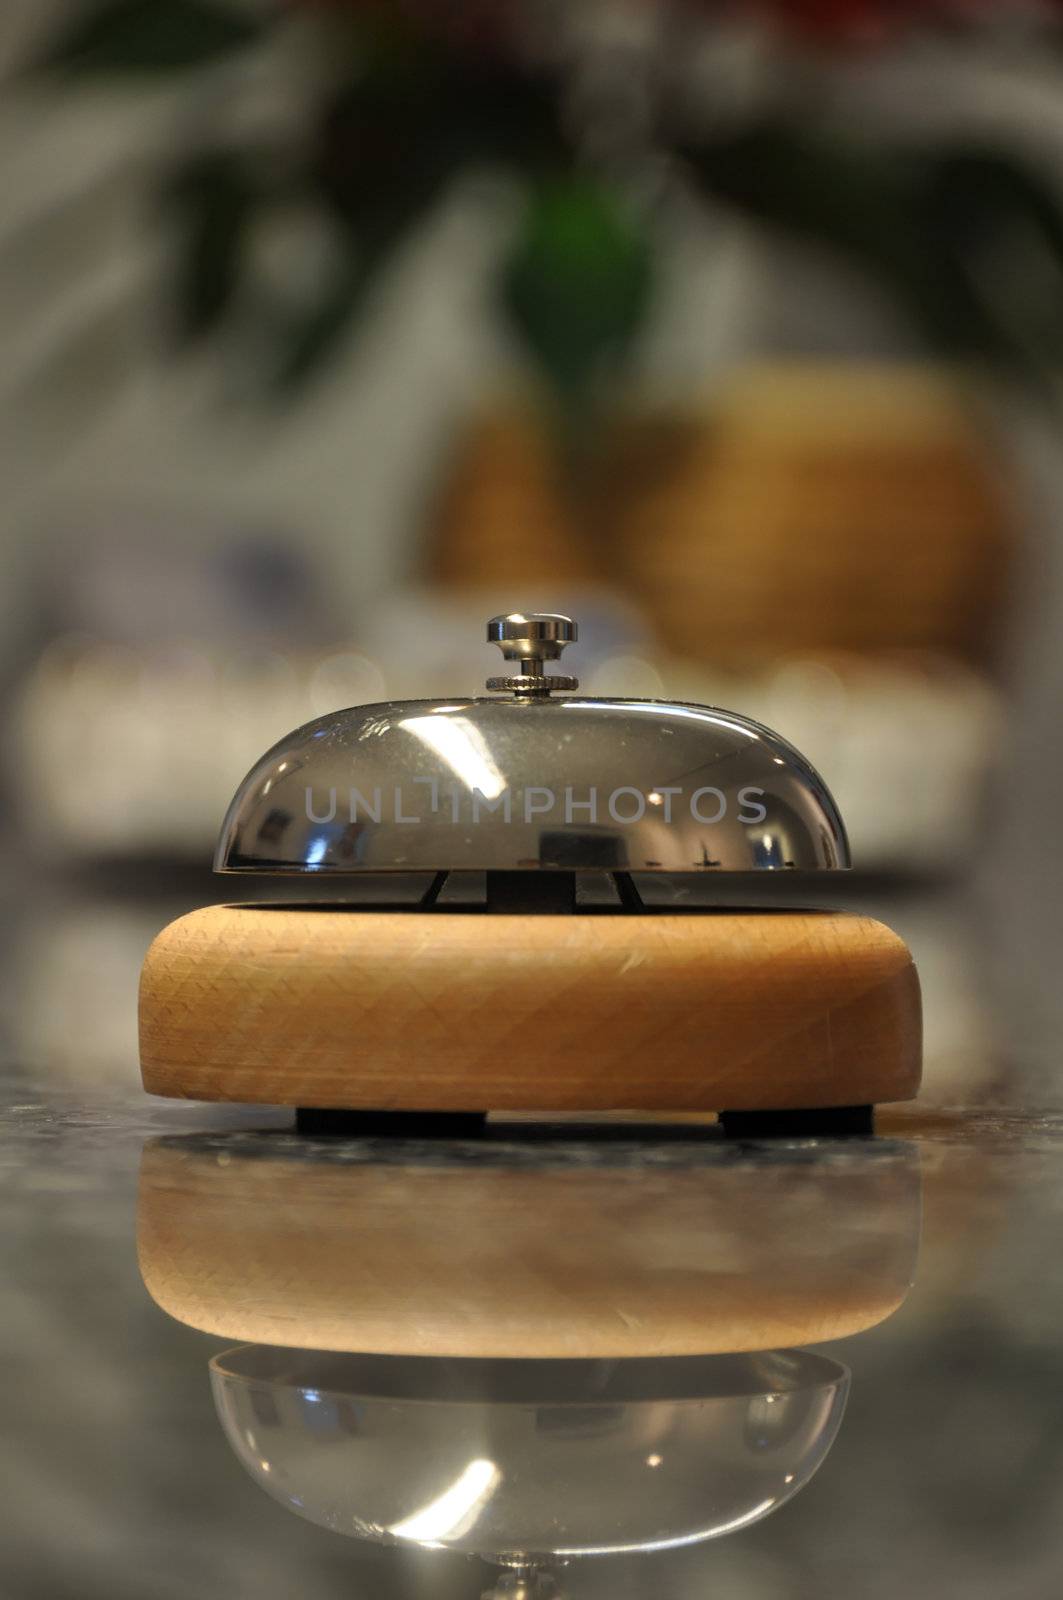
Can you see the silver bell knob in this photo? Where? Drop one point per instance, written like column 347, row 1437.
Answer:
column 531, row 639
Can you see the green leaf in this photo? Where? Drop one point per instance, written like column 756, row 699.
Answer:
column 149, row 36
column 959, row 240
column 305, row 344
column 387, row 144
column 214, row 198
column 1004, row 228
column 855, row 199
column 577, row 283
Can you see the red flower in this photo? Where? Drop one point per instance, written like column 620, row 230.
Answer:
column 848, row 21
column 866, row 22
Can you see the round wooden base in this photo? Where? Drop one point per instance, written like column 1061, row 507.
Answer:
column 392, row 1010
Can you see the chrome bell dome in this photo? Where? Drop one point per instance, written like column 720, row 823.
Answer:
column 535, row 776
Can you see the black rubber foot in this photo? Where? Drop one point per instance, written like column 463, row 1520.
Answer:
column 827, row 1122
column 390, row 1124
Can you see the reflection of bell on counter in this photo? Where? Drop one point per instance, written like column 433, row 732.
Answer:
column 528, row 1462
column 345, row 1263
column 567, row 952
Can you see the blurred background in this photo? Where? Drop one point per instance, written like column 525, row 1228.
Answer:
column 331, row 327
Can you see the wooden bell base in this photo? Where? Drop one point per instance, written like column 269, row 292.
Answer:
column 405, row 1011
column 695, row 1254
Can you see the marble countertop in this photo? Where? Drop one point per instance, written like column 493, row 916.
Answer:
column 612, row 1267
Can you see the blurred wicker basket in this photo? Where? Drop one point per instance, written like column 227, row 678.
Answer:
column 816, row 507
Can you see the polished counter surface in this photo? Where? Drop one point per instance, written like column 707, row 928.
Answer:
column 585, row 1338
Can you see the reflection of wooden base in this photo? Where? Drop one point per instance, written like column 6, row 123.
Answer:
column 737, row 1011
column 688, row 1251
